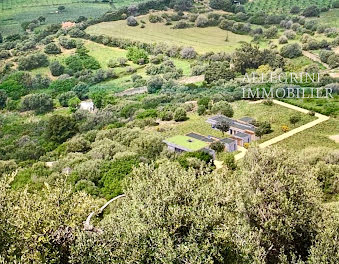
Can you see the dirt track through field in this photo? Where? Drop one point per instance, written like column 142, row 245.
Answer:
column 321, row 118
column 314, row 58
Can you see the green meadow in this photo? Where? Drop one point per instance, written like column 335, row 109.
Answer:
column 202, row 39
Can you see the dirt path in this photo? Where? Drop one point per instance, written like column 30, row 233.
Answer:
column 133, row 91
column 192, row 79
column 321, row 118
column 314, row 58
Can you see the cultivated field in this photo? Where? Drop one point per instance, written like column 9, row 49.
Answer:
column 274, row 6
column 11, row 19
column 202, row 39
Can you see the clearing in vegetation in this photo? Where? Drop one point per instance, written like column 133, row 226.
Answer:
column 276, row 115
column 201, row 39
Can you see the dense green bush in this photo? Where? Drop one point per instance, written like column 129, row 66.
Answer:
column 56, row 68
column 33, row 61
column 223, row 108
column 333, row 61
column 114, row 173
column 3, row 99
column 180, row 114
column 40, row 103
column 16, row 84
column 78, row 63
column 52, row 48
column 64, row 98
column 291, row 51
column 311, row 11
column 217, row 71
column 67, row 43
column 138, row 56
column 60, row 128
column 62, row 85
column 225, row 5
column 154, row 84
column 81, row 90
column 295, row 10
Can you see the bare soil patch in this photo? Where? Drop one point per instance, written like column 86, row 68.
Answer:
column 335, row 138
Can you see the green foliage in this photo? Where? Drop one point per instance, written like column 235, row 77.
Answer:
column 74, row 103
column 147, row 145
column 204, row 101
column 129, row 110
column 225, row 5
column 154, row 18
column 98, row 98
column 114, row 173
column 16, row 84
column 81, row 90
column 67, row 43
column 33, row 61
column 81, row 60
column 182, row 5
column 40, row 103
column 283, row 231
column 218, row 71
column 52, row 48
column 203, row 156
column 180, row 114
column 223, row 126
column 3, row 99
column 217, row 146
column 131, row 21
column 147, row 114
column 62, row 85
column 250, row 57
column 137, row 56
column 223, row 108
column 228, row 160
column 154, row 84
column 294, row 119
column 201, row 110
column 46, row 234
column 333, row 61
column 56, row 68
column 291, row 51
column 311, row 11
column 64, row 97
column 60, row 128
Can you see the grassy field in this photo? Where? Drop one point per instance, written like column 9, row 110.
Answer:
column 11, row 19
column 330, row 18
column 317, row 136
column 202, row 39
column 275, row 114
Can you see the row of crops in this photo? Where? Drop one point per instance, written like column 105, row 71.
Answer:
column 14, row 4
column 283, row 6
